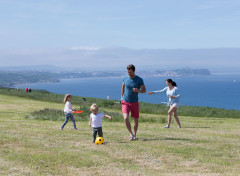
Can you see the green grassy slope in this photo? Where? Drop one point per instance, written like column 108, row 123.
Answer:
column 148, row 108
column 204, row 146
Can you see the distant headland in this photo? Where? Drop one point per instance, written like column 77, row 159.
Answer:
column 9, row 78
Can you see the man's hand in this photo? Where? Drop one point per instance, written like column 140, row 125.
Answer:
column 135, row 90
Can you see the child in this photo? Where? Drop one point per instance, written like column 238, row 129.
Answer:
column 96, row 121
column 68, row 111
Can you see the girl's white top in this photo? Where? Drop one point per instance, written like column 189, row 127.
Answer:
column 96, row 119
column 173, row 92
column 68, row 107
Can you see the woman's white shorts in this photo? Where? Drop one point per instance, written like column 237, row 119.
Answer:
column 176, row 105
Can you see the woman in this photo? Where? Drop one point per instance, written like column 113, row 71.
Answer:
column 173, row 95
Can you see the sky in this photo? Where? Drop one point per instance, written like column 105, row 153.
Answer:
column 55, row 30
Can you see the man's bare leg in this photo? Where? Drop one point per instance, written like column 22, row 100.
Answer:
column 127, row 122
column 135, row 127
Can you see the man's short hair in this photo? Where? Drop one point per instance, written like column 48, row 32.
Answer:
column 131, row 67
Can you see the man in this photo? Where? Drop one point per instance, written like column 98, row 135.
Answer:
column 132, row 85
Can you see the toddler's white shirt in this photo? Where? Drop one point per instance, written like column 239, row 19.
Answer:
column 97, row 119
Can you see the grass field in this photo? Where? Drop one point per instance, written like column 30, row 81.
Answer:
column 203, row 146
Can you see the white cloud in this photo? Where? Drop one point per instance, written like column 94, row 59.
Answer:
column 85, row 48
column 116, row 57
column 117, row 18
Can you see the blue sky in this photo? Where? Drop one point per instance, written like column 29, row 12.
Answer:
column 134, row 24
column 110, row 31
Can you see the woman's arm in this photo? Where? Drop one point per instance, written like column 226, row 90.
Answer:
column 158, row 91
column 176, row 94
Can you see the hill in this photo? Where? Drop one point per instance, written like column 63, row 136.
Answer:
column 11, row 78
column 204, row 146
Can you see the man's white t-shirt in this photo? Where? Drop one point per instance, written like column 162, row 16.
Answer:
column 97, row 119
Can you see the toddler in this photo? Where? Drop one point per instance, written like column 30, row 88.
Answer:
column 95, row 121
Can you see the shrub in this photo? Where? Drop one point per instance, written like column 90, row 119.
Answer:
column 46, row 114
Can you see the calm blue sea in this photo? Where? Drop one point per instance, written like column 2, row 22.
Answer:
column 221, row 91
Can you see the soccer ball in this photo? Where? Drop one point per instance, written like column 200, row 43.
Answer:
column 99, row 140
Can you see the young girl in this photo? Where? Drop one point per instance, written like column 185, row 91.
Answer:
column 68, row 111
column 96, row 121
column 173, row 95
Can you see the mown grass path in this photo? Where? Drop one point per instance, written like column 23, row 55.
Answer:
column 204, row 146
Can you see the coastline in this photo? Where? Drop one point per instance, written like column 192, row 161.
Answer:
column 184, row 110
column 214, row 91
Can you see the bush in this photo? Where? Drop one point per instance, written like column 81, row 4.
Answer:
column 46, row 114
column 58, row 115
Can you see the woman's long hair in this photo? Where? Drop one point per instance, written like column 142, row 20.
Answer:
column 172, row 82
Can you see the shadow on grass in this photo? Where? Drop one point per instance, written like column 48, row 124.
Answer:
column 145, row 139
column 165, row 139
column 197, row 127
column 119, row 142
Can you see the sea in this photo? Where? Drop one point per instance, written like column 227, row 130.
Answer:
column 216, row 90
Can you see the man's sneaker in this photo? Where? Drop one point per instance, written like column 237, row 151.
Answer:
column 131, row 138
column 179, row 127
column 75, row 128
column 61, row 128
column 135, row 138
column 167, row 126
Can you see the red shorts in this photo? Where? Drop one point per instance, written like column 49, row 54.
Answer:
column 133, row 107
